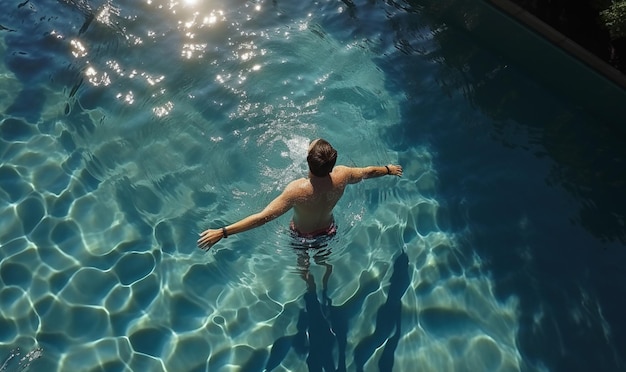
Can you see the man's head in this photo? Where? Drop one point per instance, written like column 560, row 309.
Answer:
column 321, row 158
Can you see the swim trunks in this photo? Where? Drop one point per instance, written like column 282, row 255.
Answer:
column 328, row 231
column 315, row 238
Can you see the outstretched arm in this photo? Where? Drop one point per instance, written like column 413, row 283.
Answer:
column 359, row 174
column 275, row 208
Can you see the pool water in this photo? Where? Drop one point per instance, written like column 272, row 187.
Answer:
column 127, row 128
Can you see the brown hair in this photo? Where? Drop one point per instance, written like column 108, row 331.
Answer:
column 322, row 158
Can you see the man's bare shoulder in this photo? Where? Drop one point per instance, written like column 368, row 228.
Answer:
column 342, row 170
column 297, row 187
column 343, row 173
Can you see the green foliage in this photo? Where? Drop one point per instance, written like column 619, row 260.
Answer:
column 614, row 18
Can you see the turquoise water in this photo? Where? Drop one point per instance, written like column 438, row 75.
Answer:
column 129, row 127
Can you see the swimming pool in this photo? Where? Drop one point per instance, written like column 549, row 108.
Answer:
column 128, row 127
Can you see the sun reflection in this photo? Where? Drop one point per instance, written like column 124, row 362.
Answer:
column 78, row 49
column 94, row 79
column 222, row 79
column 56, row 34
column 248, row 50
column 152, row 80
column 213, row 17
column 192, row 19
column 115, row 66
column 161, row 111
column 135, row 40
column 189, row 24
column 128, row 97
column 210, row 19
column 189, row 50
column 106, row 12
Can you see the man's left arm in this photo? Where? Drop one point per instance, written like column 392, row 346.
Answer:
column 372, row 171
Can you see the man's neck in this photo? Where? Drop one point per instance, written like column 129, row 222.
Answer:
column 314, row 177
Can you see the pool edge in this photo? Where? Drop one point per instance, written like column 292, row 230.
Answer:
column 560, row 40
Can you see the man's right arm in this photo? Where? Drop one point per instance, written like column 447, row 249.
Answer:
column 358, row 174
column 275, row 208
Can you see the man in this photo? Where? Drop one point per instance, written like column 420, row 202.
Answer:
column 312, row 198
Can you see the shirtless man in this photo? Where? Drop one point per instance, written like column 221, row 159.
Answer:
column 312, row 198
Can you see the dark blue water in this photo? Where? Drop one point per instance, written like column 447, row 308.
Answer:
column 540, row 185
column 125, row 130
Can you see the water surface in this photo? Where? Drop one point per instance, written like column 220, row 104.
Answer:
column 129, row 127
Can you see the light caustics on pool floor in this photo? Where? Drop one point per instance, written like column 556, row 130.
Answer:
column 87, row 283
column 98, row 259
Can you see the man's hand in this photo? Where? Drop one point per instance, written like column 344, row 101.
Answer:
column 208, row 238
column 395, row 170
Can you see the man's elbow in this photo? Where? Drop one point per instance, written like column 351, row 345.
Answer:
column 369, row 172
column 264, row 218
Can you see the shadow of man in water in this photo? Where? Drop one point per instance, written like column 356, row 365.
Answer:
column 388, row 319
column 322, row 327
column 316, row 336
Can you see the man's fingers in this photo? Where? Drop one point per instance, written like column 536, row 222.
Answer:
column 203, row 242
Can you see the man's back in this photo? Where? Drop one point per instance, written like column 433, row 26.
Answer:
column 315, row 197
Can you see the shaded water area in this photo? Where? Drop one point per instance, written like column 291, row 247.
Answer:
column 128, row 127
